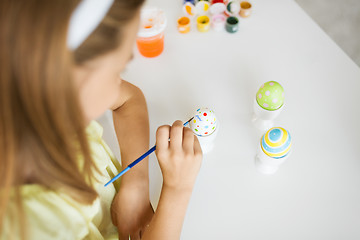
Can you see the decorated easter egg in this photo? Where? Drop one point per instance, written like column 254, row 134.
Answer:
column 270, row 96
column 204, row 122
column 276, row 142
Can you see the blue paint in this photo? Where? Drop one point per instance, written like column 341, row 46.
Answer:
column 190, row 1
column 275, row 135
column 197, row 116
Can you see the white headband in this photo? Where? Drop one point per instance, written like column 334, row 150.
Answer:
column 86, row 17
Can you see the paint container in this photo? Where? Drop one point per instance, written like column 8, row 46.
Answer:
column 274, row 148
column 232, row 8
column 217, row 1
column 217, row 8
column 189, row 9
column 150, row 40
column 232, row 24
column 189, row 1
column 202, row 7
column 184, row 24
column 203, row 23
column 218, row 22
column 245, row 9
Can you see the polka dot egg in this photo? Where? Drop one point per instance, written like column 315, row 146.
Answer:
column 204, row 122
column 276, row 142
column 270, row 96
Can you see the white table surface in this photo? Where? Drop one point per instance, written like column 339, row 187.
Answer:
column 316, row 193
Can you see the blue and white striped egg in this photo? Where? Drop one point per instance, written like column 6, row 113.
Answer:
column 276, row 142
column 204, row 122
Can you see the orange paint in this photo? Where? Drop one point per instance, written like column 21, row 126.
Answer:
column 245, row 9
column 188, row 10
column 184, row 25
column 151, row 46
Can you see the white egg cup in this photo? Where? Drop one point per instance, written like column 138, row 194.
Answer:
column 266, row 164
column 207, row 142
column 262, row 118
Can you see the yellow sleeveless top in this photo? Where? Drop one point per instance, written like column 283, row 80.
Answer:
column 53, row 215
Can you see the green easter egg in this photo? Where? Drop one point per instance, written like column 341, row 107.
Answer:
column 270, row 96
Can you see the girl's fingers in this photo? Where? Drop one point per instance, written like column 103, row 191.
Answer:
column 188, row 140
column 162, row 137
column 197, row 147
column 135, row 236
column 176, row 135
column 123, row 237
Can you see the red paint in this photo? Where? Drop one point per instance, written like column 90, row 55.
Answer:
column 217, row 1
column 206, row 132
column 205, row 114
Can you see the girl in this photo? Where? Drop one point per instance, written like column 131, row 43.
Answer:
column 60, row 63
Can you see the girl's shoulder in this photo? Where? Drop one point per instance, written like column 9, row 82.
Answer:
column 51, row 215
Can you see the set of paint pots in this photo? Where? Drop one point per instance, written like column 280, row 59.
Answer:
column 216, row 14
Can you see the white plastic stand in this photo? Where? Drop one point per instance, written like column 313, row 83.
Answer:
column 207, row 142
column 266, row 164
column 262, row 118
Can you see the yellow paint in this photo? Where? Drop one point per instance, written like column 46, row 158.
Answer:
column 203, row 23
column 206, row 7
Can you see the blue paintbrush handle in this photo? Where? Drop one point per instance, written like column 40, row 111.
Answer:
column 131, row 165
column 136, row 162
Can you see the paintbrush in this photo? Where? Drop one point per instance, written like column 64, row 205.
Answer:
column 138, row 160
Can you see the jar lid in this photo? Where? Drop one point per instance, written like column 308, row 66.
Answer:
column 202, row 7
column 217, row 8
column 152, row 22
column 189, row 9
column 232, row 7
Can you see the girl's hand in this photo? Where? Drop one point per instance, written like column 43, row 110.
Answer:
column 180, row 158
column 131, row 211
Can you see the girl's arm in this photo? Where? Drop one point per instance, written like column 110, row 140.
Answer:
column 180, row 160
column 131, row 209
column 131, row 123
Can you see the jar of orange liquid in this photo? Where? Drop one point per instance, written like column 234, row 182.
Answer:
column 150, row 40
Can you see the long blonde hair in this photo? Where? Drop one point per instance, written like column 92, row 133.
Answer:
column 42, row 128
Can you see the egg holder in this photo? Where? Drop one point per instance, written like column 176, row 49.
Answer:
column 204, row 128
column 219, row 11
column 266, row 164
column 207, row 142
column 264, row 119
